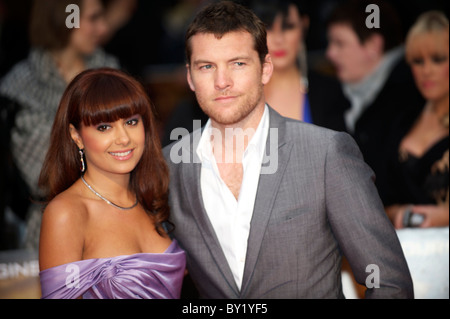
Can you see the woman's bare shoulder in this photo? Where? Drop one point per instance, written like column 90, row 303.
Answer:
column 67, row 207
column 62, row 231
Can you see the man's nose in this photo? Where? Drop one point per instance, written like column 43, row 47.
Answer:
column 222, row 79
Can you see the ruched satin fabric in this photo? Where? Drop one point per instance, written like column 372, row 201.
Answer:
column 138, row 276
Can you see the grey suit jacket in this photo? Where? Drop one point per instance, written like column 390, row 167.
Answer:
column 320, row 202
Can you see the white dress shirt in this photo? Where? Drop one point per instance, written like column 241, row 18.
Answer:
column 230, row 217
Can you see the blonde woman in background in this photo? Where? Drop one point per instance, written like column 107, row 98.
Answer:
column 419, row 179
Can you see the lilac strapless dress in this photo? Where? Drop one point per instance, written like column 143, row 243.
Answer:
column 144, row 275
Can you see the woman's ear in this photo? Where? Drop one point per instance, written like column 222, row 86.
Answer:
column 76, row 136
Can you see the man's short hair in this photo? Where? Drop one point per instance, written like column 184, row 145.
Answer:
column 225, row 17
column 353, row 13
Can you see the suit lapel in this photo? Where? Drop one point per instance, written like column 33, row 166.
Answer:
column 266, row 194
column 191, row 181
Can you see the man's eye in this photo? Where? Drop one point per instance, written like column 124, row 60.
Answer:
column 206, row 67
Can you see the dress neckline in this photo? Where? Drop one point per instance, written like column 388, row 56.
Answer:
column 404, row 155
column 169, row 250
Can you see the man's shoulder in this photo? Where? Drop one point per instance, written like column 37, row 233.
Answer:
column 297, row 131
column 308, row 137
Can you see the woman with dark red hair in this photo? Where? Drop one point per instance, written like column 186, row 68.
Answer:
column 103, row 231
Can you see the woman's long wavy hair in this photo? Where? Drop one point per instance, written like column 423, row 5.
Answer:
column 98, row 96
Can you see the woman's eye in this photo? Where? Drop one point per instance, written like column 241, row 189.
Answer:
column 103, row 127
column 289, row 26
column 417, row 61
column 133, row 122
column 439, row 59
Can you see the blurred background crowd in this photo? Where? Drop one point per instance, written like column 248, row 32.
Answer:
column 380, row 85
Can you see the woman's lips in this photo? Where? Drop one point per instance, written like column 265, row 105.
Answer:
column 427, row 84
column 122, row 155
column 279, row 53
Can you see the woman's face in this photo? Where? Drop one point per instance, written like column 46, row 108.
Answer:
column 428, row 55
column 114, row 148
column 86, row 39
column 285, row 41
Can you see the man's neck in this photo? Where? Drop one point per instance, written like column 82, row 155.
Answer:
column 229, row 142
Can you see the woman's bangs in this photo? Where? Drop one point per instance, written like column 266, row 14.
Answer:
column 110, row 102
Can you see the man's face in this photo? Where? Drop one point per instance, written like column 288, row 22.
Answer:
column 353, row 61
column 227, row 77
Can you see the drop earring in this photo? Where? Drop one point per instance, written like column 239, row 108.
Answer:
column 83, row 166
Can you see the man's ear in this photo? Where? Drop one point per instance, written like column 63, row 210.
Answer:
column 375, row 46
column 267, row 70
column 76, row 136
column 189, row 78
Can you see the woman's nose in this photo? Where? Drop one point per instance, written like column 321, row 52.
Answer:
column 122, row 136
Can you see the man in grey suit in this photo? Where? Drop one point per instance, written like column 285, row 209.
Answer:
column 263, row 205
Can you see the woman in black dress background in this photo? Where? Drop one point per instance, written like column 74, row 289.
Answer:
column 418, row 190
